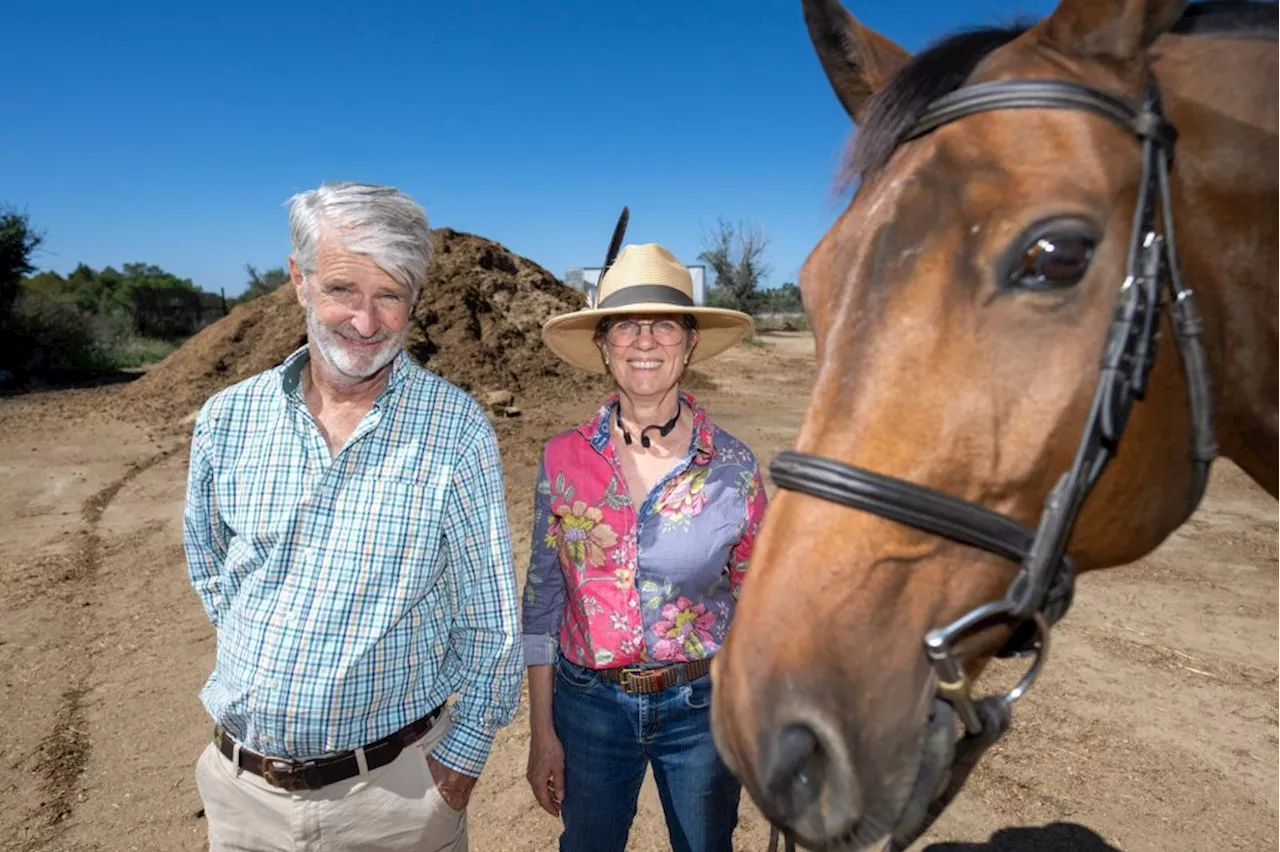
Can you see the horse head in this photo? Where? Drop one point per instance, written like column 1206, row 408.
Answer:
column 999, row 403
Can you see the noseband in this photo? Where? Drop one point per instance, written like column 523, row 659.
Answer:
column 1041, row 591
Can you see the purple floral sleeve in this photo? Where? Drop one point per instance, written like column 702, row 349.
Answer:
column 544, row 591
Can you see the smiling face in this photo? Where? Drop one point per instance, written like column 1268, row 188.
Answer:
column 357, row 314
column 646, row 353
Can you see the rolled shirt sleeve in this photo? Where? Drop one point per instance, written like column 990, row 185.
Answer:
column 756, row 502
column 483, row 597
column 544, row 590
column 204, row 533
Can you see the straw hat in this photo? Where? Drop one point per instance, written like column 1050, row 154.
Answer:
column 645, row 279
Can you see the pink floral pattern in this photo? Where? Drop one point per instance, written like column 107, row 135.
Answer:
column 622, row 579
column 684, row 632
column 580, row 534
column 684, row 498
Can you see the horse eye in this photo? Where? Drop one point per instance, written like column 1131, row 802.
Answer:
column 1053, row 262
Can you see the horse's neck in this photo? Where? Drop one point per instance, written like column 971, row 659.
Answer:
column 1224, row 187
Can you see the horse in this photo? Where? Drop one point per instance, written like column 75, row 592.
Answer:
column 1048, row 307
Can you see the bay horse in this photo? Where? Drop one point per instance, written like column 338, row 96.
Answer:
column 1049, row 305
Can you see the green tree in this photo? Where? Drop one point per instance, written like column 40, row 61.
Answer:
column 780, row 300
column 18, row 243
column 150, row 275
column 262, row 283
column 90, row 320
column 736, row 256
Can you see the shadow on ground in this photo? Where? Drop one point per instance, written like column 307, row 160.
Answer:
column 1055, row 837
column 11, row 385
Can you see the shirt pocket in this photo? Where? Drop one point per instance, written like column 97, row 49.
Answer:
column 259, row 500
column 386, row 520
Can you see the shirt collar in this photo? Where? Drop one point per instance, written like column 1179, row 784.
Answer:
column 596, row 429
column 291, row 374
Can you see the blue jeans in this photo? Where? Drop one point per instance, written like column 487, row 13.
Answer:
column 609, row 736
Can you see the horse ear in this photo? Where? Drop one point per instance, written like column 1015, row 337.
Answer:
column 858, row 61
column 1118, row 29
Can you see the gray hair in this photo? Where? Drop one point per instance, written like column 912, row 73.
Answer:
column 380, row 222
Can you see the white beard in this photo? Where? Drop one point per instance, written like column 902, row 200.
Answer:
column 349, row 364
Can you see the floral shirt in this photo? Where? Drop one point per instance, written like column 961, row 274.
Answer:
column 611, row 583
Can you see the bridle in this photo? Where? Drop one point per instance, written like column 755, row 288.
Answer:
column 1041, row 591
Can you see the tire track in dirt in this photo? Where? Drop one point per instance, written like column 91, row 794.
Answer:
column 62, row 755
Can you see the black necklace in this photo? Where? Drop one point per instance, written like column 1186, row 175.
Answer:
column 663, row 430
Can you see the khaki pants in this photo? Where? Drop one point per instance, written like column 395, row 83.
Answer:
column 394, row 808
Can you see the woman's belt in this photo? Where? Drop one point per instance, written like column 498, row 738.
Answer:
column 645, row 680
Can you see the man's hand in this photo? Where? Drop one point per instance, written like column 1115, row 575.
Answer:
column 455, row 787
column 546, row 770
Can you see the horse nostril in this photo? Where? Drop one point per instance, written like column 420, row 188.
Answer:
column 798, row 772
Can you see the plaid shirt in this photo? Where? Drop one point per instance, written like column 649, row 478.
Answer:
column 352, row 594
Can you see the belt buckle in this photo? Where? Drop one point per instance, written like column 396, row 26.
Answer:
column 285, row 773
column 627, row 674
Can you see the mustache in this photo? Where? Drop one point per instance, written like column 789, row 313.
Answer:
column 356, row 337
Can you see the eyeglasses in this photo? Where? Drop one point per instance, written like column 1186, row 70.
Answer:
column 667, row 332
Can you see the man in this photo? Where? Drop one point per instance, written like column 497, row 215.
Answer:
column 345, row 529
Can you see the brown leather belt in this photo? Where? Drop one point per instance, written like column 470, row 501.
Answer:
column 639, row 680
column 314, row 773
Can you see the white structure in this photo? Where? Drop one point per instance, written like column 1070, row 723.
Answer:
column 582, row 277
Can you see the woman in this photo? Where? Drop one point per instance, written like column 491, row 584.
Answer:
column 644, row 521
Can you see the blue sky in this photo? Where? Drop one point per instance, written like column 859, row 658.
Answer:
column 173, row 133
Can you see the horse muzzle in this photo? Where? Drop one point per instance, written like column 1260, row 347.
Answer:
column 811, row 786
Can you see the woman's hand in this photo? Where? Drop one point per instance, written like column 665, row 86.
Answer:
column 546, row 769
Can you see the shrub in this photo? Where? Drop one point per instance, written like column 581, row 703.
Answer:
column 46, row 334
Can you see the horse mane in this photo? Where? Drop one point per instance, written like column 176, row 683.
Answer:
column 938, row 70
column 947, row 65
column 1228, row 17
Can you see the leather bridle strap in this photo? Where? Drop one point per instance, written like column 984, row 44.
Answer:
column 907, row 503
column 1041, row 94
column 1047, row 591
column 1187, row 328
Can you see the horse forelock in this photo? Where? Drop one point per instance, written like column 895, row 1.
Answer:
column 948, row 64
column 938, row 70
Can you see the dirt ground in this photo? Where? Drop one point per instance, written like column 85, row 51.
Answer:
column 1153, row 728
